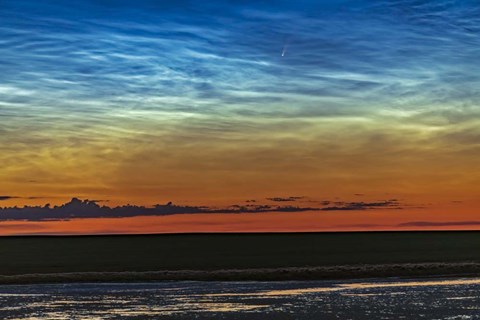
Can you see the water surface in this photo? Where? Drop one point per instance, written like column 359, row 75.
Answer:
column 450, row 298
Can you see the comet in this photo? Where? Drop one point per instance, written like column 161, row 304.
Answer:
column 285, row 47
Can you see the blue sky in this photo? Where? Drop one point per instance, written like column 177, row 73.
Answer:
column 341, row 57
column 136, row 99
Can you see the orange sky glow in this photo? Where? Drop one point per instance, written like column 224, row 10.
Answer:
column 378, row 220
column 241, row 107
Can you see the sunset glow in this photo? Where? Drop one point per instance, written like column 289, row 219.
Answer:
column 312, row 116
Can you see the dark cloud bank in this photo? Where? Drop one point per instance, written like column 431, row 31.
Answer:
column 77, row 208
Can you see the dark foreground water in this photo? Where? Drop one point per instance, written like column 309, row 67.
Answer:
column 373, row 299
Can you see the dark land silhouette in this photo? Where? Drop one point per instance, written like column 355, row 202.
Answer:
column 261, row 256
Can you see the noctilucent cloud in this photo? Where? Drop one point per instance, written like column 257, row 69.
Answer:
column 219, row 103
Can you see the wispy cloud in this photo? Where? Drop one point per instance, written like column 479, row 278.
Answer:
column 392, row 204
column 439, row 224
column 285, row 199
column 4, row 198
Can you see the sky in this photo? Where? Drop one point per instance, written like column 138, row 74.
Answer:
column 238, row 115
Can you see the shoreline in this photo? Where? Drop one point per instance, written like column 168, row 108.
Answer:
column 340, row 272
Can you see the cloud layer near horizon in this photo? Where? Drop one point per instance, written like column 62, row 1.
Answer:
column 76, row 209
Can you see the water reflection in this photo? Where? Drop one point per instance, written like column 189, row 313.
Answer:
column 392, row 299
